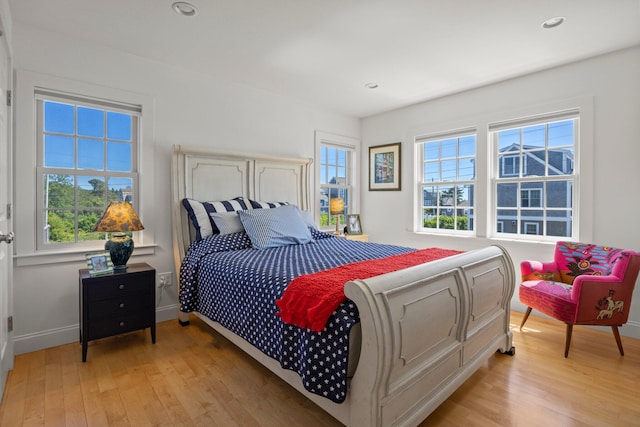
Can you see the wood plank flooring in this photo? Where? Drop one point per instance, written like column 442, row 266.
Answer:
column 194, row 377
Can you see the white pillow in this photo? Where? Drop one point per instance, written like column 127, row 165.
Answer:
column 270, row 228
column 307, row 217
column 227, row 222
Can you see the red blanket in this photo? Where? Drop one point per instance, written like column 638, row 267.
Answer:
column 310, row 299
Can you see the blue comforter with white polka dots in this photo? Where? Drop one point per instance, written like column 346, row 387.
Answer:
column 224, row 278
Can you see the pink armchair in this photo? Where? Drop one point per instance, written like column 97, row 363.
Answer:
column 584, row 285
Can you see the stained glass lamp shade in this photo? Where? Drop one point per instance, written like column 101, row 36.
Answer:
column 118, row 218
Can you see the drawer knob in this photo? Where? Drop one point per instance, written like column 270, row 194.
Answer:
column 121, row 286
column 121, row 323
column 121, row 305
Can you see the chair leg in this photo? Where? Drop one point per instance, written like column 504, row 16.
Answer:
column 526, row 316
column 567, row 341
column 618, row 341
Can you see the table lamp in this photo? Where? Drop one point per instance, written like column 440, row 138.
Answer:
column 336, row 207
column 118, row 218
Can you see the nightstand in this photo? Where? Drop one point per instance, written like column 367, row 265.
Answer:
column 117, row 303
column 359, row 237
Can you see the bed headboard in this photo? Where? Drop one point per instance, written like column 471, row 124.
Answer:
column 207, row 174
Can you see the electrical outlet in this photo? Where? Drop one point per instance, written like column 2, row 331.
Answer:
column 165, row 279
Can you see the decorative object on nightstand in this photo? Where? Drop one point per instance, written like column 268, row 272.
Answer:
column 99, row 263
column 358, row 237
column 353, row 224
column 336, row 207
column 116, row 303
column 119, row 217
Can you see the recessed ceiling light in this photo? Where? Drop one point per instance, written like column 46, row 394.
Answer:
column 184, row 8
column 371, row 85
column 553, row 22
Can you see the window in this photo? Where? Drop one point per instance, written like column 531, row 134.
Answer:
column 510, row 165
column 531, row 198
column 334, row 182
column 534, row 179
column 448, row 173
column 336, row 177
column 87, row 158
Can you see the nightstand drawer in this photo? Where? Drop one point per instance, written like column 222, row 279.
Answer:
column 118, row 325
column 112, row 288
column 114, row 307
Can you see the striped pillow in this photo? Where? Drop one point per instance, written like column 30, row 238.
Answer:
column 255, row 204
column 200, row 213
column 270, row 228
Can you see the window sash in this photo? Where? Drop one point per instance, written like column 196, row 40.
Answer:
column 549, row 216
column 76, row 172
column 328, row 190
column 448, row 214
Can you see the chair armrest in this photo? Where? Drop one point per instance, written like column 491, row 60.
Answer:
column 536, row 270
column 586, row 284
column 601, row 299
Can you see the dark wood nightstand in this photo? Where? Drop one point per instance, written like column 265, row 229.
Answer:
column 117, row 303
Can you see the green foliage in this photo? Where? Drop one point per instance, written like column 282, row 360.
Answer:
column 446, row 223
column 62, row 213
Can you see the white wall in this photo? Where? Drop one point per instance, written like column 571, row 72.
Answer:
column 189, row 108
column 610, row 199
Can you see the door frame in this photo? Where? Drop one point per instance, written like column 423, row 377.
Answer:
column 6, row 282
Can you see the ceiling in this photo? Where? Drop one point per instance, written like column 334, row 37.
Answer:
column 322, row 53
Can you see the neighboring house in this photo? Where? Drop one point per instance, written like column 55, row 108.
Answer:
column 532, row 163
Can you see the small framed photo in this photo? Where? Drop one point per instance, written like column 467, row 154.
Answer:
column 353, row 224
column 384, row 167
column 99, row 263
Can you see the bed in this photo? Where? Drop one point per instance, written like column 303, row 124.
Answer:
column 420, row 332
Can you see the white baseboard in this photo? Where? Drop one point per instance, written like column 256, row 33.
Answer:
column 59, row 336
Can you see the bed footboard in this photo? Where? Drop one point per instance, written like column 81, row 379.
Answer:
column 425, row 330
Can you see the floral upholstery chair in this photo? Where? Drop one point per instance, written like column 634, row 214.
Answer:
column 584, row 285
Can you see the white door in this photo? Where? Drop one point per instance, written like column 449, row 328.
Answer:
column 6, row 295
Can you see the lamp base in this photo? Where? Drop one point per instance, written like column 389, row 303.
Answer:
column 337, row 232
column 120, row 247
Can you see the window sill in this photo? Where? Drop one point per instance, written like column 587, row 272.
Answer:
column 42, row 258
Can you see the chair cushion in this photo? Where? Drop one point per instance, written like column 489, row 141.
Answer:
column 578, row 259
column 550, row 298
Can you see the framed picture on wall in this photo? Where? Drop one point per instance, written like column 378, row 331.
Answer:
column 353, row 224
column 384, row 167
column 99, row 263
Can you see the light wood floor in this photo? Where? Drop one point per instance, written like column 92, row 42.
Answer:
column 193, row 376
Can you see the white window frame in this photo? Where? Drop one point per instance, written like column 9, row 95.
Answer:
column 420, row 142
column 352, row 146
column 493, row 129
column 79, row 101
column 25, row 211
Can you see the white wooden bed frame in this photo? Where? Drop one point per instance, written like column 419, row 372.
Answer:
column 425, row 330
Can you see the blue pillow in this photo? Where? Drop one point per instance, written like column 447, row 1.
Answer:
column 200, row 213
column 271, row 228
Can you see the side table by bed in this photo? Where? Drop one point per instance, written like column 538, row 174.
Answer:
column 116, row 303
column 359, row 237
